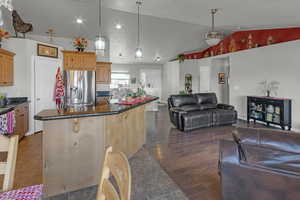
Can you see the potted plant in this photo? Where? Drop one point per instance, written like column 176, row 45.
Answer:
column 181, row 58
column 80, row 44
column 3, row 35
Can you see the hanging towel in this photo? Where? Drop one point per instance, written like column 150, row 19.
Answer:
column 59, row 90
column 7, row 123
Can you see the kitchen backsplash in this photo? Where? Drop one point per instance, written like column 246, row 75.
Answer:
column 102, row 87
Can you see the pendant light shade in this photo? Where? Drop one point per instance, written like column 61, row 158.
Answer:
column 213, row 37
column 139, row 51
column 100, row 42
column 7, row 4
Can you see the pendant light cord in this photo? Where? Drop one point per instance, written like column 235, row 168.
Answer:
column 212, row 20
column 213, row 13
column 139, row 3
column 100, row 17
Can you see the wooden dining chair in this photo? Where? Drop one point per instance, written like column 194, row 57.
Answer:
column 7, row 168
column 117, row 165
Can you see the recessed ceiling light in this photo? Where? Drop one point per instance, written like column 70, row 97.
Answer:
column 118, row 26
column 79, row 21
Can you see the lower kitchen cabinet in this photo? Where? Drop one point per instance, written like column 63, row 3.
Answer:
column 22, row 115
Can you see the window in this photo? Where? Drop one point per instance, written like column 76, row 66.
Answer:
column 119, row 79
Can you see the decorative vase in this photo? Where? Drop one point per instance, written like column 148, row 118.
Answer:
column 79, row 49
column 268, row 93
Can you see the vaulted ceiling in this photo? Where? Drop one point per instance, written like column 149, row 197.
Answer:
column 169, row 27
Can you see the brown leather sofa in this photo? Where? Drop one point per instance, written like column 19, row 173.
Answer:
column 260, row 164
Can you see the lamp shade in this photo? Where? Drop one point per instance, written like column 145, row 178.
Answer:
column 138, row 53
column 213, row 38
column 100, row 43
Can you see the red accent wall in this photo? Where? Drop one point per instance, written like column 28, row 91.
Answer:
column 243, row 40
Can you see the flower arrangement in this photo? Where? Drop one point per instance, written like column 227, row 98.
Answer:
column 3, row 35
column 268, row 87
column 80, row 43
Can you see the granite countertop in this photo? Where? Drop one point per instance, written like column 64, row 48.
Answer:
column 86, row 111
column 13, row 103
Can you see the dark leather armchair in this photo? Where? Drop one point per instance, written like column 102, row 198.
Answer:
column 189, row 112
column 260, row 164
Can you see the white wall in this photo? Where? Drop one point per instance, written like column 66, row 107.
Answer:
column 279, row 62
column 170, row 79
column 273, row 63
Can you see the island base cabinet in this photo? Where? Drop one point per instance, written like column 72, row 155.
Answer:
column 73, row 152
column 126, row 132
column 74, row 149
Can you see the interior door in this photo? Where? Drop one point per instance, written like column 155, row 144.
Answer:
column 45, row 72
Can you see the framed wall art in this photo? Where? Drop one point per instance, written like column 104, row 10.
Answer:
column 47, row 51
column 221, row 78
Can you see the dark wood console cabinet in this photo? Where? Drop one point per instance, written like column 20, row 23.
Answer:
column 277, row 111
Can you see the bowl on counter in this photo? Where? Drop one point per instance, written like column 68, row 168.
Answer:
column 3, row 102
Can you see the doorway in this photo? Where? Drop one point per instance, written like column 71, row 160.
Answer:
column 44, row 82
column 220, row 76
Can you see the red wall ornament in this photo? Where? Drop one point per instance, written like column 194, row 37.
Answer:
column 243, row 40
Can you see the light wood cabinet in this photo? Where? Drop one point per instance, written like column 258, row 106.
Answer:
column 132, row 136
column 22, row 121
column 103, row 72
column 74, row 60
column 6, row 68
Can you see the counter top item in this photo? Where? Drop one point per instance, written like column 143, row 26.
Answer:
column 13, row 103
column 88, row 111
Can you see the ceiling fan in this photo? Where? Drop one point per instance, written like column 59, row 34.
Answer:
column 213, row 37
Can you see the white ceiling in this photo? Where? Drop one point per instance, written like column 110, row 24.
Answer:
column 169, row 27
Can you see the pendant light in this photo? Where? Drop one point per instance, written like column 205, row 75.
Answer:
column 213, row 37
column 139, row 51
column 100, row 41
column 6, row 4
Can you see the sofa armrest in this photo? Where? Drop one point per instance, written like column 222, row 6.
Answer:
column 228, row 153
column 225, row 106
column 239, row 178
column 177, row 110
column 176, row 116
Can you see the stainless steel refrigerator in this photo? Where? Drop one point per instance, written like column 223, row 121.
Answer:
column 80, row 87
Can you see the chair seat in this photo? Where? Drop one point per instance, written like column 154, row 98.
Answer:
column 26, row 193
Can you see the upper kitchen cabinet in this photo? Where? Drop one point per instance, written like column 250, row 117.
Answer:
column 6, row 68
column 103, row 72
column 74, row 60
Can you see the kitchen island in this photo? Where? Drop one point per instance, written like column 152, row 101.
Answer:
column 75, row 138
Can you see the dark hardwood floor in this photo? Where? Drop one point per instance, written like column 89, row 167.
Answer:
column 190, row 159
